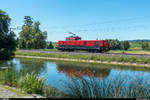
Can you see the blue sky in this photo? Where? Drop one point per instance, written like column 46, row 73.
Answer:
column 90, row 19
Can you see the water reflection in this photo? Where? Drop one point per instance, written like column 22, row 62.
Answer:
column 76, row 71
column 56, row 71
column 28, row 66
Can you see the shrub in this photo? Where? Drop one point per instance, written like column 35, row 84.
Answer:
column 114, row 44
column 145, row 46
column 31, row 83
column 51, row 92
column 124, row 45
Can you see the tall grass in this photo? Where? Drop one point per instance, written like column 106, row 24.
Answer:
column 53, row 92
column 9, row 76
column 31, row 83
column 81, row 87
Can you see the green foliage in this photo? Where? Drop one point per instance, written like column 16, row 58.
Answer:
column 9, row 75
column 50, row 45
column 145, row 46
column 31, row 83
column 7, row 38
column 124, row 45
column 82, row 87
column 141, row 60
column 31, row 37
column 51, row 92
column 135, row 45
column 114, row 44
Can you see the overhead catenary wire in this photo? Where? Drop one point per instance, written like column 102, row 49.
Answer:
column 101, row 23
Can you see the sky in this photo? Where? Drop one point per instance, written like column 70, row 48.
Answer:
column 89, row 19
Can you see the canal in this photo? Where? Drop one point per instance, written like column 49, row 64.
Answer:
column 57, row 73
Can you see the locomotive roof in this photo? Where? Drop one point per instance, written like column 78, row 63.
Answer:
column 73, row 36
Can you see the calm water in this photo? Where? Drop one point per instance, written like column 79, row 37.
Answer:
column 56, row 72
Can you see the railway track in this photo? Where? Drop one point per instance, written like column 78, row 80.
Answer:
column 86, row 53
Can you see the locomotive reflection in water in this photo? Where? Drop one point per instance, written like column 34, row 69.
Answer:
column 90, row 72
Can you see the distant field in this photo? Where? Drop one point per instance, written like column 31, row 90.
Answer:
column 136, row 45
column 131, row 51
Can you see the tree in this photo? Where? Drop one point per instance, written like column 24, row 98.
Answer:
column 7, row 37
column 145, row 46
column 50, row 45
column 25, row 35
column 114, row 44
column 31, row 37
column 125, row 45
column 39, row 37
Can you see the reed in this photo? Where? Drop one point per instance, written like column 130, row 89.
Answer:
column 31, row 83
column 116, row 88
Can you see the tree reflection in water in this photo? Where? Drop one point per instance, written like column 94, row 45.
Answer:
column 29, row 66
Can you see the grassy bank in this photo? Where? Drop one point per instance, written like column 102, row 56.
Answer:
column 131, row 51
column 28, row 84
column 119, row 59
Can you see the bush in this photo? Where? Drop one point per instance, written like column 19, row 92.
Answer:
column 31, row 83
column 125, row 45
column 50, row 45
column 114, row 44
column 145, row 46
column 51, row 92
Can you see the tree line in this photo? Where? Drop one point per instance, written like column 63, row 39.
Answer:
column 115, row 44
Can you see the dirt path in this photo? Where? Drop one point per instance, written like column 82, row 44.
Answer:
column 9, row 92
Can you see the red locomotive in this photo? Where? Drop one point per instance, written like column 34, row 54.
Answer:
column 75, row 43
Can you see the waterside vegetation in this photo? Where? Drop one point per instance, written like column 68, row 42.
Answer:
column 124, row 59
column 81, row 87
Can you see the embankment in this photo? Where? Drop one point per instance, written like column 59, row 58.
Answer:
column 116, row 60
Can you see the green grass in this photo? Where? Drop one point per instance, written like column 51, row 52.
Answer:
column 131, row 59
column 134, row 45
column 131, row 51
column 54, row 44
column 116, row 87
column 31, row 83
